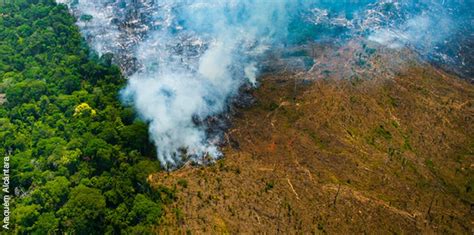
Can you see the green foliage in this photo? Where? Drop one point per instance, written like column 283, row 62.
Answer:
column 145, row 210
column 53, row 194
column 183, row 183
column 84, row 205
column 25, row 216
column 269, row 186
column 85, row 18
column 79, row 159
column 382, row 132
column 46, row 224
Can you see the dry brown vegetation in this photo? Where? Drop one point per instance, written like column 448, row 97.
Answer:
column 366, row 142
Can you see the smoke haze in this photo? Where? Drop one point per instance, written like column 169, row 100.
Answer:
column 187, row 59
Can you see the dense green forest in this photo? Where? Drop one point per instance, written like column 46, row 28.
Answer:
column 79, row 160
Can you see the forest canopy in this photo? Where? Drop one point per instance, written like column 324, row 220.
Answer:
column 78, row 158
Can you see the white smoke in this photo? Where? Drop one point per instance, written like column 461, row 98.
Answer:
column 100, row 31
column 420, row 25
column 176, row 92
column 194, row 55
column 419, row 31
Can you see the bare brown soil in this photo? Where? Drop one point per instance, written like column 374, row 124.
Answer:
column 342, row 149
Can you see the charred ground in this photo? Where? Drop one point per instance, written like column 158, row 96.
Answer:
column 369, row 140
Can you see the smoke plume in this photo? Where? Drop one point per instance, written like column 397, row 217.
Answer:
column 186, row 59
